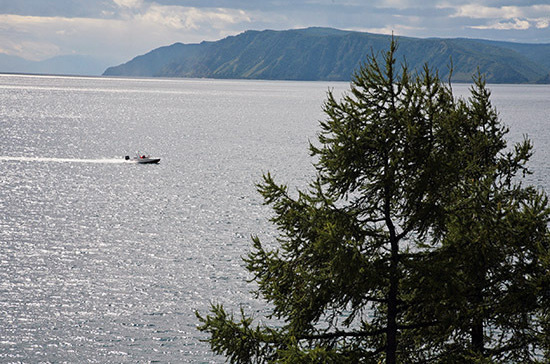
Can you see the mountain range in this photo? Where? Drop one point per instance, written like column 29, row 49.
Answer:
column 332, row 54
column 60, row 65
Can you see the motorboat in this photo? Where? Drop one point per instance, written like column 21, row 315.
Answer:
column 142, row 159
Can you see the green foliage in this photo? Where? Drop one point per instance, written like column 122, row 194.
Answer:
column 415, row 243
column 238, row 340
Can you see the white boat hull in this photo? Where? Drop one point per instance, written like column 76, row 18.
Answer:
column 142, row 160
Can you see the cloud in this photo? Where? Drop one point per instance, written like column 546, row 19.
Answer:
column 503, row 17
column 396, row 29
column 516, row 24
column 543, row 23
column 482, row 12
column 134, row 28
column 129, row 3
column 37, row 38
column 122, row 29
column 176, row 17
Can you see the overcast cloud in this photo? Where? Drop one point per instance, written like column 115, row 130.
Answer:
column 118, row 30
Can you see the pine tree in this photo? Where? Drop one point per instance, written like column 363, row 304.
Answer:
column 493, row 257
column 391, row 253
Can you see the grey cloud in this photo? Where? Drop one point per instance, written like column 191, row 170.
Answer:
column 107, row 29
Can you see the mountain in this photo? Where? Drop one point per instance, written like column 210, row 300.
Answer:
column 13, row 64
column 331, row 54
column 60, row 65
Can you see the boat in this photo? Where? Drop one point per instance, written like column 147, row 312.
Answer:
column 142, row 159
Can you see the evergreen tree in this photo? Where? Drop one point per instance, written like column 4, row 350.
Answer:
column 490, row 303
column 414, row 224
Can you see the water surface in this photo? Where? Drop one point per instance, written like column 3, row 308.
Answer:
column 106, row 261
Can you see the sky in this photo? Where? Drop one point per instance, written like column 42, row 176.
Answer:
column 118, row 30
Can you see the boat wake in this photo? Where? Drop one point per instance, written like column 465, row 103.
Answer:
column 62, row 160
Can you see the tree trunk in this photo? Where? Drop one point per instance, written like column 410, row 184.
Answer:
column 478, row 340
column 391, row 335
column 391, row 329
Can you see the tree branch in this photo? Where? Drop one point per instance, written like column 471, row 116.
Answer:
column 337, row 334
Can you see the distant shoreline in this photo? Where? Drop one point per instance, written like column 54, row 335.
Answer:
column 325, row 54
column 151, row 78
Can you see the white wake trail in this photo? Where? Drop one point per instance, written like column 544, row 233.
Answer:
column 62, row 160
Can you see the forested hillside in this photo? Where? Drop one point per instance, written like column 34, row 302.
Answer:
column 331, row 54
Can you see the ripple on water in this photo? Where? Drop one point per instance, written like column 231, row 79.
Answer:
column 107, row 262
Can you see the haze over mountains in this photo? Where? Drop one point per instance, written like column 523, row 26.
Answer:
column 61, row 65
column 331, row 54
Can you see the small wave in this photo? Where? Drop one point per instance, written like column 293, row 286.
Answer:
column 62, row 160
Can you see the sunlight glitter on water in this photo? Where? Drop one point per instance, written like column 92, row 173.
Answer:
column 101, row 262
column 61, row 160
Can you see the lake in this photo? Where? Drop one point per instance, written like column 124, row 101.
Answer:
column 106, row 261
